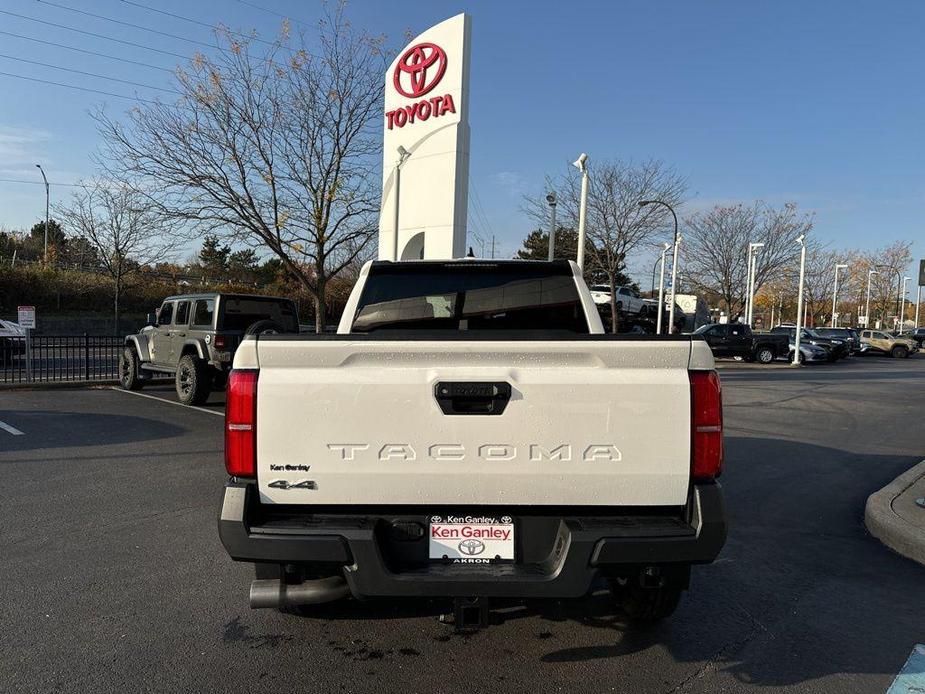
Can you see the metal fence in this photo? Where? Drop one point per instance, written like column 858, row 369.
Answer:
column 50, row 358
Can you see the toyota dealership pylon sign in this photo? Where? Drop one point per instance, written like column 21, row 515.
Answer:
column 426, row 133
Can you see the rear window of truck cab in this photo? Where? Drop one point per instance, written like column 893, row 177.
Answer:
column 470, row 296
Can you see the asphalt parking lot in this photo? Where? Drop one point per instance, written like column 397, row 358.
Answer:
column 114, row 577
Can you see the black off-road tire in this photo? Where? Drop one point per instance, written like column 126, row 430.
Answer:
column 899, row 352
column 764, row 355
column 646, row 605
column 129, row 378
column 264, row 327
column 193, row 380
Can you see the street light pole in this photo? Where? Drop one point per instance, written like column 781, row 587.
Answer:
column 674, row 260
column 752, row 268
column 47, row 201
column 582, row 165
column 661, row 291
column 403, row 155
column 748, row 283
column 551, row 199
column 918, row 301
column 870, row 273
column 835, row 293
column 796, row 338
column 902, row 305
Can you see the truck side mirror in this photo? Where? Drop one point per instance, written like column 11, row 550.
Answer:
column 151, row 320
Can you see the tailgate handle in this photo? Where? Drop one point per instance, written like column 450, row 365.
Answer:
column 472, row 397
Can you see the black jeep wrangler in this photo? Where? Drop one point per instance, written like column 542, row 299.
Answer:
column 194, row 337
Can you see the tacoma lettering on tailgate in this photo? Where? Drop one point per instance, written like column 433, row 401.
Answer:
column 490, row 452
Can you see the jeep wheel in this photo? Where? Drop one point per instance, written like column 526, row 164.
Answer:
column 265, row 327
column 193, row 382
column 765, row 355
column 128, row 370
column 643, row 605
column 899, row 352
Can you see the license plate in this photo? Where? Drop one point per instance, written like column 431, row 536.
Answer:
column 471, row 539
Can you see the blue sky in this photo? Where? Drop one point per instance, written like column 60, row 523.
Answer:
column 816, row 102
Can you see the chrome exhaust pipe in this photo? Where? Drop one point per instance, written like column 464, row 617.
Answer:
column 275, row 593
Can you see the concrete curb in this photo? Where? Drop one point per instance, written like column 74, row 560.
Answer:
column 892, row 530
column 57, row 385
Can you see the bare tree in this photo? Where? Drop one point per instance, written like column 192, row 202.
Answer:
column 616, row 224
column 819, row 282
column 122, row 228
column 273, row 149
column 715, row 248
column 890, row 262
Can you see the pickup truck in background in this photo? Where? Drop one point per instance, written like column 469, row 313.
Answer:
column 880, row 342
column 738, row 340
column 628, row 299
column 472, row 433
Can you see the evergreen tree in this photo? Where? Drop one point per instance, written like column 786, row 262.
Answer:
column 213, row 258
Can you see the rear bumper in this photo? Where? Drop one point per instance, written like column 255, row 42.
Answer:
column 558, row 555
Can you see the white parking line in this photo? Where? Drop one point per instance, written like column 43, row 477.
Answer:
column 169, row 402
column 13, row 430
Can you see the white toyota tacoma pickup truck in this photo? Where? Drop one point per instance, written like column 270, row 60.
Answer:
column 470, row 432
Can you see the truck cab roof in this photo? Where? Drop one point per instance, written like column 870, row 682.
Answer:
column 213, row 295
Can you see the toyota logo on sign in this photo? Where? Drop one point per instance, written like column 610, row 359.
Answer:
column 419, row 70
column 471, row 547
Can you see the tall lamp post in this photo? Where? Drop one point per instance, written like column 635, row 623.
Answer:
column 582, row 165
column 870, row 274
column 902, row 306
column 796, row 338
column 551, row 199
column 752, row 268
column 838, row 266
column 918, row 301
column 654, row 270
column 674, row 260
column 47, row 201
column 661, row 291
column 403, row 155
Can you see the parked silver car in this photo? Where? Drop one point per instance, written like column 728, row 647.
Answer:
column 809, row 353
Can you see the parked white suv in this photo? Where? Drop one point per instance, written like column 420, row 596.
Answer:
column 472, row 433
column 628, row 299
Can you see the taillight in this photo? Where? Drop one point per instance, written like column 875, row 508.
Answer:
column 241, row 423
column 706, row 425
column 219, row 341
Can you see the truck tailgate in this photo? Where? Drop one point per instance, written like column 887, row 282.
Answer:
column 588, row 422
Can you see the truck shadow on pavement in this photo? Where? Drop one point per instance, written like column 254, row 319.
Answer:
column 801, row 590
column 799, row 593
column 45, row 429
